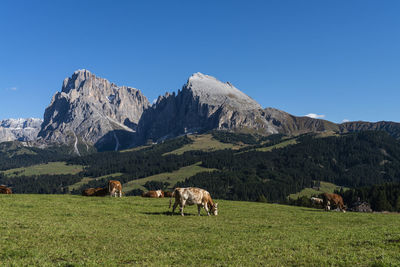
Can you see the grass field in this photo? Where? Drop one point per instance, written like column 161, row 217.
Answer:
column 170, row 177
column 65, row 230
column 324, row 188
column 277, row 146
column 48, row 168
column 204, row 142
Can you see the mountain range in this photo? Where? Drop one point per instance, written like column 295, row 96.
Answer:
column 90, row 111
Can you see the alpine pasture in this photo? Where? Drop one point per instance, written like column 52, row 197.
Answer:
column 69, row 230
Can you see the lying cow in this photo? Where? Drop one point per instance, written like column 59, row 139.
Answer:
column 333, row 201
column 95, row 192
column 317, row 201
column 153, row 194
column 114, row 188
column 5, row 190
column 191, row 196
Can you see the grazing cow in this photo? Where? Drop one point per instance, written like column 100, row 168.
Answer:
column 191, row 196
column 167, row 194
column 5, row 190
column 154, row 194
column 115, row 188
column 317, row 201
column 333, row 201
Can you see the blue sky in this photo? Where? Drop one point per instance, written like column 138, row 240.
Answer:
column 340, row 59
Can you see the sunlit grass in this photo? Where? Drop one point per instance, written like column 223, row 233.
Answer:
column 325, row 187
column 204, row 142
column 48, row 230
column 170, row 177
column 52, row 168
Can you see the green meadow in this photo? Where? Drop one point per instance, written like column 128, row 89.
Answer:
column 171, row 177
column 204, row 142
column 51, row 168
column 68, row 230
column 325, row 187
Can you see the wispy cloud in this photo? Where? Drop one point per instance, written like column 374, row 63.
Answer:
column 11, row 88
column 315, row 116
column 345, row 120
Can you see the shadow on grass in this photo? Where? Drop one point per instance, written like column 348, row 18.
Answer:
column 168, row 213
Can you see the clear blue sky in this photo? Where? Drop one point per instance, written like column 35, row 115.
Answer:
column 340, row 59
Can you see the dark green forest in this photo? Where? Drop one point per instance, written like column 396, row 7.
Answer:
column 354, row 160
column 15, row 155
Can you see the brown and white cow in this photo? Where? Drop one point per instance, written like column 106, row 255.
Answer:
column 5, row 190
column 114, row 188
column 191, row 196
column 153, row 194
column 333, row 201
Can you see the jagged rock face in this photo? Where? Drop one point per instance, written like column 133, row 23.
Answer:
column 19, row 129
column 93, row 111
column 204, row 103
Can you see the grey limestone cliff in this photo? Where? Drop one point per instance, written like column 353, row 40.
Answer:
column 93, row 111
column 204, row 103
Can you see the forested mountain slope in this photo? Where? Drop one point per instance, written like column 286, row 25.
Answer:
column 262, row 168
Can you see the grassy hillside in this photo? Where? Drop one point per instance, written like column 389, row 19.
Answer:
column 65, row 230
column 170, row 177
column 204, row 142
column 283, row 144
column 51, row 168
column 323, row 188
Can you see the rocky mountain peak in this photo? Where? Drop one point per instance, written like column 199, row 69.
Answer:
column 214, row 92
column 97, row 111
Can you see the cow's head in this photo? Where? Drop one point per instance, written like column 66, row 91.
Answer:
column 214, row 209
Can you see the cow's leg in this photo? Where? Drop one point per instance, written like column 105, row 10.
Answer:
column 174, row 207
column 206, row 208
column 120, row 193
column 199, row 209
column 111, row 193
column 181, row 207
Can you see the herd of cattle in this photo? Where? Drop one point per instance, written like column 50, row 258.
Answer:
column 192, row 196
column 183, row 196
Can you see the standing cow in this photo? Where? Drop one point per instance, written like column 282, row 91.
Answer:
column 333, row 201
column 191, row 196
column 115, row 188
